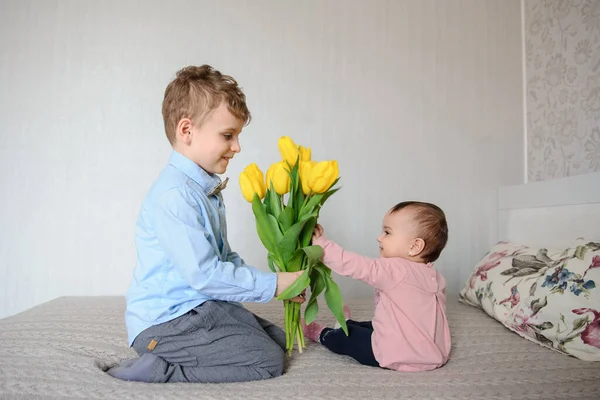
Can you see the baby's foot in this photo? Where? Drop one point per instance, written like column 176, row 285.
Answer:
column 346, row 316
column 312, row 331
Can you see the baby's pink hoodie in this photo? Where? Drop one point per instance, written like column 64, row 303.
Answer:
column 411, row 331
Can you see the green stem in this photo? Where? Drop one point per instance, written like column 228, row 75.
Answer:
column 288, row 326
column 292, row 325
column 306, row 198
column 292, row 333
column 297, row 327
column 300, row 331
column 299, row 338
column 299, row 324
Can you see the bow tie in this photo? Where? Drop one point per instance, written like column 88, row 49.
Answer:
column 217, row 189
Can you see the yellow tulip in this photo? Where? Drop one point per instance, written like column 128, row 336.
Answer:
column 279, row 175
column 304, row 171
column 304, row 153
column 288, row 149
column 252, row 181
column 322, row 176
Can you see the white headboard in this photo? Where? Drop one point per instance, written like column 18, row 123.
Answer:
column 550, row 213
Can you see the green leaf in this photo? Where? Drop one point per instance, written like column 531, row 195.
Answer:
column 311, row 204
column 327, row 195
column 335, row 302
column 557, row 289
column 307, row 231
column 532, row 289
column 286, row 218
column 314, row 214
column 296, row 195
column 561, row 347
column 273, row 199
column 289, row 242
column 546, row 325
column 323, row 268
column 270, row 262
column 317, row 200
column 538, row 304
column 543, row 339
column 594, row 246
column 580, row 252
column 293, row 172
column 509, row 271
column 333, row 184
column 266, row 226
column 311, row 311
column 295, row 263
column 311, row 209
column 317, row 285
column 295, row 288
column 569, row 339
column 314, row 253
column 580, row 322
column 299, row 199
column 265, row 201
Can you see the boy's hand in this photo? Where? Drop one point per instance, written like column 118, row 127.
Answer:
column 284, row 280
column 318, row 232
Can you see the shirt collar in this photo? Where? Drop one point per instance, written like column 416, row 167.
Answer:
column 208, row 182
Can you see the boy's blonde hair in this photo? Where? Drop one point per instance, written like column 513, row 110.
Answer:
column 195, row 92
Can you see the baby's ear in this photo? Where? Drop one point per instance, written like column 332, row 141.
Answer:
column 416, row 247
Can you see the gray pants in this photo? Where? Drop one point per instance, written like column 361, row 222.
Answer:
column 215, row 342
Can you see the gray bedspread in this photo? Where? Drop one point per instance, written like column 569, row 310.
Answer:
column 60, row 350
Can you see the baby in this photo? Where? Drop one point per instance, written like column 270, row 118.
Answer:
column 409, row 331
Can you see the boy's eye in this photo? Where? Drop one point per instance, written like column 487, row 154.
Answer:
column 228, row 136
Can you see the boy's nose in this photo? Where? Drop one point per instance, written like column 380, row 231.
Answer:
column 235, row 147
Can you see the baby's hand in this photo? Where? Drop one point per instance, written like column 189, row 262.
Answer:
column 318, row 232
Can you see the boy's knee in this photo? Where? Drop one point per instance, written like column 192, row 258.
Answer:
column 273, row 360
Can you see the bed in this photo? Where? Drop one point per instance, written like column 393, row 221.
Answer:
column 61, row 349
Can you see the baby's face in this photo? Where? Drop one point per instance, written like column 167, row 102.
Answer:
column 397, row 233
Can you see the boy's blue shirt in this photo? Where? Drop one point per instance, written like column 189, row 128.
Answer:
column 183, row 256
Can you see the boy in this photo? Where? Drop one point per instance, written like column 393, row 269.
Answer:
column 183, row 316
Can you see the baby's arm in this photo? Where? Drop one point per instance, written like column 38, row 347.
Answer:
column 380, row 273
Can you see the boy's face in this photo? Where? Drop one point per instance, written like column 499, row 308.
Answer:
column 212, row 144
column 397, row 234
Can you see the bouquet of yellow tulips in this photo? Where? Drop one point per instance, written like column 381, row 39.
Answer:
column 286, row 207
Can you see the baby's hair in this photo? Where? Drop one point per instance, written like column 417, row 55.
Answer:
column 431, row 227
column 195, row 92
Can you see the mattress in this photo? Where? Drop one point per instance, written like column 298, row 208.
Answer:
column 61, row 350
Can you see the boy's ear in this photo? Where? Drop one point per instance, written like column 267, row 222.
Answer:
column 184, row 130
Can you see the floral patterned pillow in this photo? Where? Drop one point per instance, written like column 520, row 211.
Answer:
column 547, row 296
